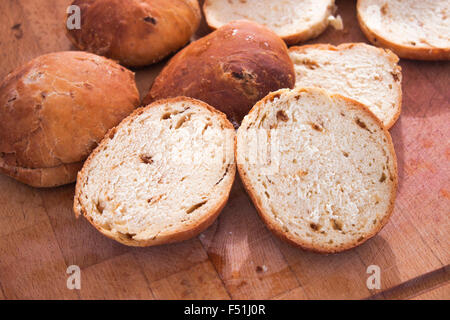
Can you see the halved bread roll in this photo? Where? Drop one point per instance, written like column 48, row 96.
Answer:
column 162, row 175
column 292, row 20
column 320, row 168
column 54, row 110
column 413, row 29
column 359, row 71
column 135, row 33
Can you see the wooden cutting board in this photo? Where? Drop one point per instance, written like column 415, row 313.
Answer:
column 237, row 257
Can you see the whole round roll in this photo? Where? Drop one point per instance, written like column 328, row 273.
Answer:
column 231, row 69
column 135, row 33
column 55, row 109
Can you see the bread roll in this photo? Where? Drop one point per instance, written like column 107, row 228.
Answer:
column 320, row 168
column 413, row 29
column 136, row 33
column 230, row 69
column 359, row 71
column 55, row 109
column 163, row 175
column 292, row 20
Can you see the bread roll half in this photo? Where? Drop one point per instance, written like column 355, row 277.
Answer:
column 413, row 29
column 162, row 175
column 135, row 33
column 292, row 20
column 359, row 71
column 320, row 168
column 55, row 109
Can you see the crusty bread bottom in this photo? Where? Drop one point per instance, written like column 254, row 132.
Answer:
column 43, row 177
column 320, row 168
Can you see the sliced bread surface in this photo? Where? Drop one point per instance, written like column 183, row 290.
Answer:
column 413, row 29
column 162, row 175
column 320, row 168
column 359, row 71
column 292, row 20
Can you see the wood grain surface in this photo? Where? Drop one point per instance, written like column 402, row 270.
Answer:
column 237, row 257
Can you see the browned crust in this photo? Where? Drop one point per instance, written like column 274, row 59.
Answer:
column 296, row 241
column 185, row 233
column 135, row 33
column 403, row 51
column 230, row 69
column 43, row 177
column 55, row 108
column 291, row 39
column 345, row 46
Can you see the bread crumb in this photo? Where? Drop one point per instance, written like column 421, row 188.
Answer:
column 336, row 22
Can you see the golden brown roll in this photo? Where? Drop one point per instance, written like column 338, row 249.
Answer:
column 231, row 69
column 55, row 109
column 135, row 33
